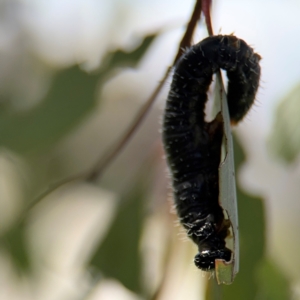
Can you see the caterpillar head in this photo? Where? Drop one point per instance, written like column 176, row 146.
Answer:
column 205, row 260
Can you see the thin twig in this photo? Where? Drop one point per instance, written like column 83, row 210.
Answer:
column 206, row 12
column 103, row 162
column 187, row 37
column 185, row 42
column 51, row 188
column 112, row 153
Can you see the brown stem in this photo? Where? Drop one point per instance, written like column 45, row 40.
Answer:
column 111, row 154
column 51, row 188
column 206, row 11
column 186, row 40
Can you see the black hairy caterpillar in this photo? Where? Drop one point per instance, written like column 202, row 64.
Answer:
column 193, row 146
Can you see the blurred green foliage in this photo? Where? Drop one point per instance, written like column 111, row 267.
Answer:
column 14, row 242
column 118, row 256
column 273, row 284
column 285, row 135
column 71, row 96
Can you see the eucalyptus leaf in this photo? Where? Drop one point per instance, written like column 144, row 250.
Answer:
column 225, row 272
column 252, row 241
column 252, row 245
column 258, row 277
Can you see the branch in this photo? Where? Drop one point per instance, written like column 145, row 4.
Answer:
column 186, row 41
column 105, row 160
column 206, row 12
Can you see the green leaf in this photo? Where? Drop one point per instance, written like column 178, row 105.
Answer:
column 70, row 98
column 121, row 58
column 14, row 242
column 252, row 245
column 258, row 277
column 285, row 136
column 273, row 284
column 225, row 272
column 252, row 241
column 118, row 255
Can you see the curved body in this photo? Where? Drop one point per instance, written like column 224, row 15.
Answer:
column 193, row 146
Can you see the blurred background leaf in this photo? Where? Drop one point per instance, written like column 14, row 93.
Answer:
column 14, row 242
column 124, row 59
column 119, row 255
column 71, row 96
column 273, row 284
column 285, row 135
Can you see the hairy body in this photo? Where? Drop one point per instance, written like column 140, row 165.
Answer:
column 193, row 146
